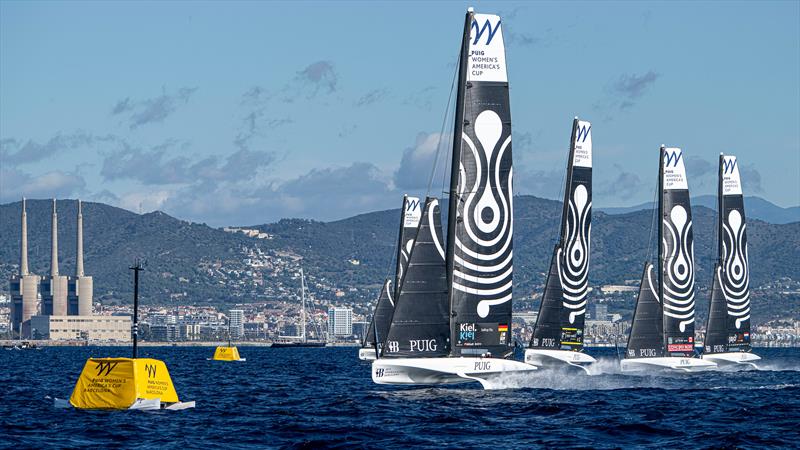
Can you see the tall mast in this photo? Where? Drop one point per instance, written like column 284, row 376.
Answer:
column 399, row 252
column 458, row 128
column 660, row 223
column 303, row 304
column 568, row 184
column 720, row 207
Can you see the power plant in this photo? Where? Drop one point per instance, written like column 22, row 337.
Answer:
column 60, row 295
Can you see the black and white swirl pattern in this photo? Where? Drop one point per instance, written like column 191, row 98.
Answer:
column 736, row 274
column 679, row 267
column 483, row 251
column 573, row 270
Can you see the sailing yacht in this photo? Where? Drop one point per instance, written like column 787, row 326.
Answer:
column 727, row 340
column 452, row 317
column 302, row 340
column 558, row 335
column 382, row 316
column 662, row 332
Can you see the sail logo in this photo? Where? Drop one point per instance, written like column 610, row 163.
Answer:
column 422, row 345
column 728, row 165
column 412, row 204
column 583, row 133
column 105, row 368
column 151, row 370
column 487, row 28
column 671, row 158
column 393, row 346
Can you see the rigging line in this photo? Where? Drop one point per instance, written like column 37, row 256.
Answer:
column 653, row 223
column 441, row 131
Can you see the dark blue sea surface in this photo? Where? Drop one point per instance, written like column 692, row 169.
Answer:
column 312, row 398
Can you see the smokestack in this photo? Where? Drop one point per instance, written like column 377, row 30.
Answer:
column 23, row 264
column 54, row 244
column 79, row 260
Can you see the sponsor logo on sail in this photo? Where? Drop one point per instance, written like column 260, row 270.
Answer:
column 393, row 346
column 487, row 28
column 728, row 165
column 583, row 133
column 105, row 368
column 671, row 158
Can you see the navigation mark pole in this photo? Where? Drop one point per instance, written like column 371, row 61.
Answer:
column 137, row 267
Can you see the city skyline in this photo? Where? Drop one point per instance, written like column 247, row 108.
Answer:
column 210, row 118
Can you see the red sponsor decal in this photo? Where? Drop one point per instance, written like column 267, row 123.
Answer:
column 680, row 348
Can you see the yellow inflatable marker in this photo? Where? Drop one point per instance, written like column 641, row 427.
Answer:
column 117, row 383
column 125, row 383
column 228, row 353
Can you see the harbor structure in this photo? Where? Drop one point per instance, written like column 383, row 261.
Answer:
column 81, row 287
column 54, row 287
column 24, row 287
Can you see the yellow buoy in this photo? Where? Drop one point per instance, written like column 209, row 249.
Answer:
column 125, row 383
column 117, row 383
column 223, row 353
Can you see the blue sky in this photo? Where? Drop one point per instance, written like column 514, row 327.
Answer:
column 242, row 113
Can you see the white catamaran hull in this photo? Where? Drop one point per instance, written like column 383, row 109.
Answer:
column 730, row 359
column 366, row 354
column 444, row 370
column 666, row 363
column 557, row 358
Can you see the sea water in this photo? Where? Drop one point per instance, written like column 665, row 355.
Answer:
column 324, row 397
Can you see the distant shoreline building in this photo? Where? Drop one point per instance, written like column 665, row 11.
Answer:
column 61, row 295
column 340, row 321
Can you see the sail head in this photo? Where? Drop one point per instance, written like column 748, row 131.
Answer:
column 412, row 211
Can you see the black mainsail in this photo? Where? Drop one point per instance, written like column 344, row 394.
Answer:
column 559, row 324
column 646, row 338
column 480, row 227
column 729, row 316
column 381, row 317
column 676, row 255
column 420, row 324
